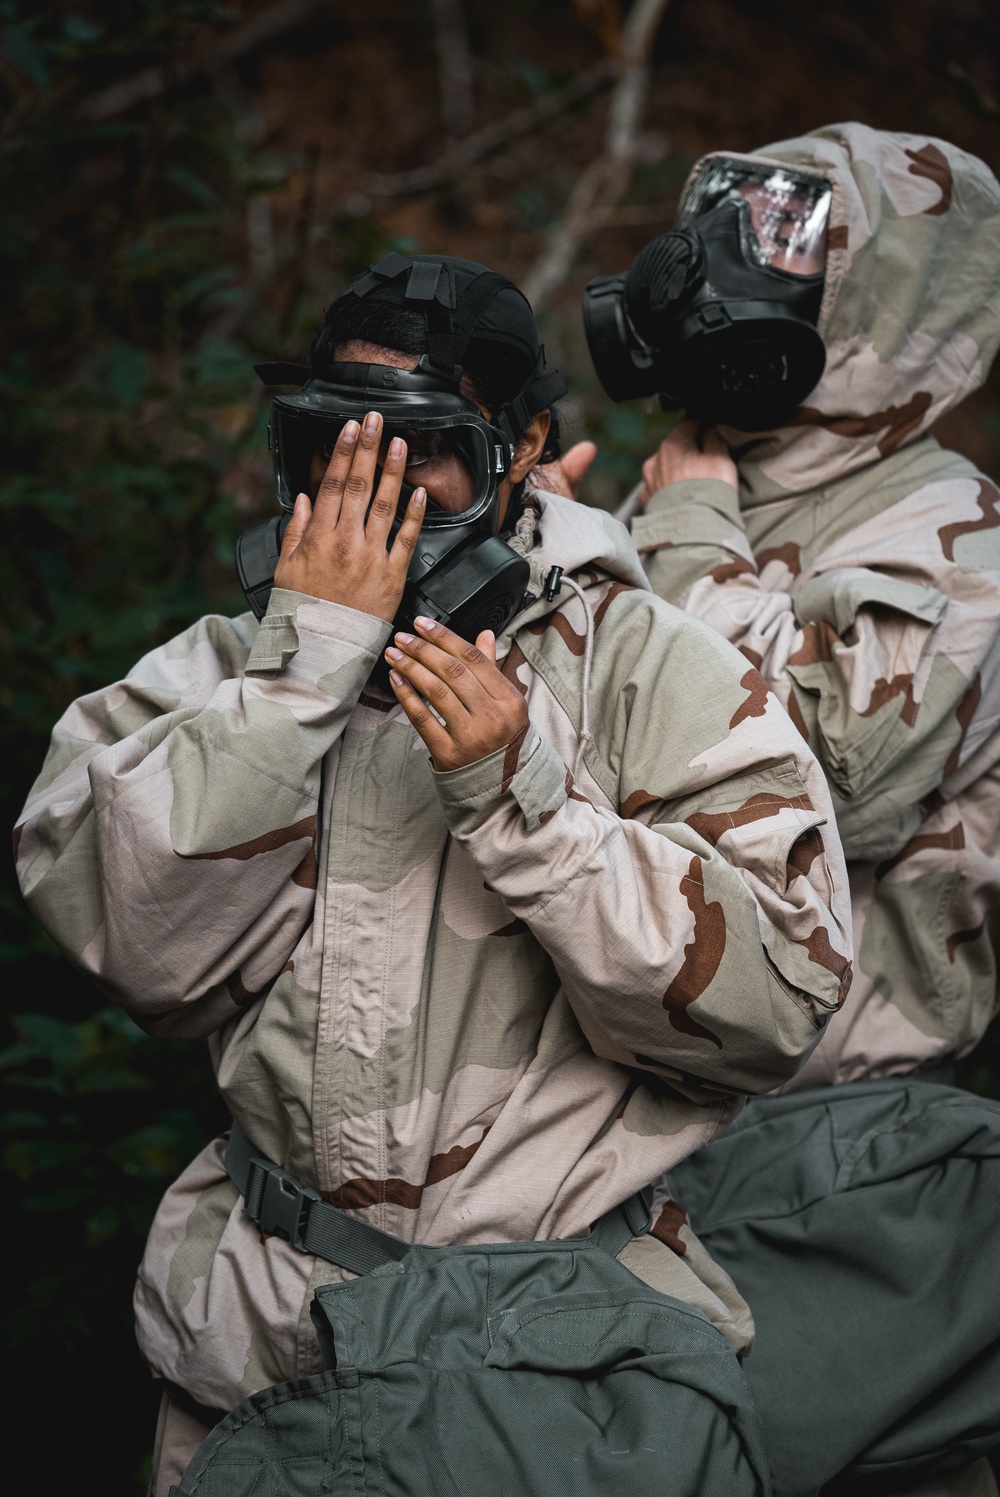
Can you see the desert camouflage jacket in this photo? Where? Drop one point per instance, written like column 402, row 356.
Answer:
column 859, row 570
column 487, row 1004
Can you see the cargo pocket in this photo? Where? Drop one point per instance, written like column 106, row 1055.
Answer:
column 637, row 1385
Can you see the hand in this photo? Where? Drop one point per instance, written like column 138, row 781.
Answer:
column 565, row 476
column 482, row 710
column 329, row 551
column 682, row 456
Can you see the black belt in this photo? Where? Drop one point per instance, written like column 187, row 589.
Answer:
column 280, row 1207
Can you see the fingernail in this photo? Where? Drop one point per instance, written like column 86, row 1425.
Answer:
column 396, row 447
column 350, row 432
column 419, row 498
column 372, row 422
column 392, row 654
column 423, row 623
column 395, row 678
column 404, row 639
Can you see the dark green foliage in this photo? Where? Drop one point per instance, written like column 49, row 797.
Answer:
column 121, row 415
column 90, row 1141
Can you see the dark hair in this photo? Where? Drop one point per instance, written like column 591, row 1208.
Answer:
column 497, row 372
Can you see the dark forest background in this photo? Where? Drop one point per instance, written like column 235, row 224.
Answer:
column 185, row 186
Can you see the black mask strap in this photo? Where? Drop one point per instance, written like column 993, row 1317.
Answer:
column 539, row 394
column 430, row 282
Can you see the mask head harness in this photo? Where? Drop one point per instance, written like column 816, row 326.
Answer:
column 719, row 315
column 462, row 572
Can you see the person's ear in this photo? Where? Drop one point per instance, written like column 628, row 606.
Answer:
column 530, row 446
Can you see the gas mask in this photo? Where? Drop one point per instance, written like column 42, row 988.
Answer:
column 462, row 573
column 719, row 315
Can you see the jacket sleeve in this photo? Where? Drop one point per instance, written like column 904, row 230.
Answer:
column 700, row 928
column 169, row 843
column 881, row 654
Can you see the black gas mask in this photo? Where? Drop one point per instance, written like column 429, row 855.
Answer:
column 463, row 573
column 719, row 315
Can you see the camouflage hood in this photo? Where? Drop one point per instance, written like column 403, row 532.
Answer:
column 911, row 310
column 573, row 537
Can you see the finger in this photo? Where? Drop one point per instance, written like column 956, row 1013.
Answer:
column 433, row 679
column 436, row 737
column 326, row 510
column 577, row 460
column 361, row 479
column 296, row 527
column 465, row 667
column 442, row 637
column 405, row 543
column 383, row 506
column 713, row 444
column 486, row 643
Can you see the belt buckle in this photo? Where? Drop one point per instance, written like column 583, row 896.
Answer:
column 283, row 1205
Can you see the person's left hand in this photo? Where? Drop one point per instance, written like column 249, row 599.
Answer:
column 481, row 710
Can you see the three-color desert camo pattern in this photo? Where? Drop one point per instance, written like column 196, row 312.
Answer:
column 859, row 570
column 482, row 1005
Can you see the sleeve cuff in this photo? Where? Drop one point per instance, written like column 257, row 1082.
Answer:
column 528, row 769
column 693, row 511
column 294, row 619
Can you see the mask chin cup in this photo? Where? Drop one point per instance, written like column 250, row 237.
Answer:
column 745, row 365
column 478, row 586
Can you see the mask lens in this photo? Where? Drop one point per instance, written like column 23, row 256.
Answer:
column 789, row 213
column 441, row 461
column 452, row 463
column 423, row 447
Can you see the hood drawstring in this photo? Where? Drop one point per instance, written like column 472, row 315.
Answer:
column 556, row 580
column 523, row 539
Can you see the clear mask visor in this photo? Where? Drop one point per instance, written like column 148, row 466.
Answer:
column 456, row 464
column 789, row 213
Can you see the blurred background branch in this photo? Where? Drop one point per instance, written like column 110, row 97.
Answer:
column 606, row 178
column 488, row 138
column 455, row 70
column 222, row 47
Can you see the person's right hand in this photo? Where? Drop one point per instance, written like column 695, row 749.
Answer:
column 682, row 455
column 565, row 475
column 330, row 552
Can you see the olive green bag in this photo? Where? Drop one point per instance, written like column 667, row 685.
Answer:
column 861, row 1223
column 526, row 1369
